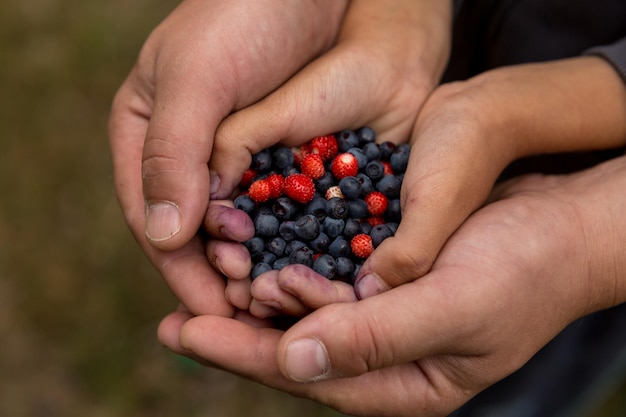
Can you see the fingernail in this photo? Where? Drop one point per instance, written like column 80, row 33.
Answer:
column 369, row 285
column 214, row 182
column 307, row 360
column 162, row 221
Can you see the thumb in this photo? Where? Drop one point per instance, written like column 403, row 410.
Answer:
column 174, row 162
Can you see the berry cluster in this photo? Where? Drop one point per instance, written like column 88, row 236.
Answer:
column 326, row 204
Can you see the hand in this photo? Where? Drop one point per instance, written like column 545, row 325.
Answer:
column 206, row 60
column 547, row 251
column 468, row 132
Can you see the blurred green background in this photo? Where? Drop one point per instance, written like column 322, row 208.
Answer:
column 79, row 303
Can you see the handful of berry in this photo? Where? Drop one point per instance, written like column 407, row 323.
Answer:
column 326, row 204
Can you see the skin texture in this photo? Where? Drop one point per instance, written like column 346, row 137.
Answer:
column 546, row 251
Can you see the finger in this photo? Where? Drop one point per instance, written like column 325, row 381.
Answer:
column 224, row 222
column 270, row 298
column 230, row 258
column 313, row 289
column 238, row 293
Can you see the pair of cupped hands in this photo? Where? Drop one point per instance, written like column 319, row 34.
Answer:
column 476, row 279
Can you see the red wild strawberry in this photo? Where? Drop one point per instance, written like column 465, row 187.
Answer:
column 375, row 220
column 376, row 203
column 247, row 178
column 260, row 191
column 312, row 166
column 344, row 165
column 300, row 188
column 362, row 245
column 324, row 146
column 277, row 184
column 387, row 168
column 334, row 191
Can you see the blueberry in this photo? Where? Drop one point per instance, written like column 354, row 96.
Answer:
column 393, row 213
column 390, row 186
column 290, row 170
column 280, row 263
column 350, row 187
column 245, row 203
column 326, row 266
column 339, row 247
column 372, row 151
column 293, row 246
column 276, row 245
column 282, row 157
column 347, row 139
column 357, row 209
column 352, row 228
column 255, row 245
column 284, row 208
column 264, row 257
column 316, row 207
column 320, row 243
column 307, row 227
column 386, row 149
column 366, row 184
column 266, row 225
column 375, row 170
column 262, row 161
column 333, row 227
column 379, row 233
column 325, row 182
column 345, row 268
column 337, row 208
column 360, row 156
column 399, row 159
column 393, row 226
column 366, row 135
column 285, row 230
column 258, row 269
column 302, row 255
column 365, row 227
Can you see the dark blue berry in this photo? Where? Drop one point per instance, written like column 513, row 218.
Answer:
column 366, row 184
column 284, row 208
column 316, row 207
column 339, row 247
column 282, row 157
column 325, row 182
column 393, row 226
column 255, row 246
column 365, row 227
column 262, row 161
column 285, row 230
column 245, row 203
column 293, row 245
column 276, row 245
column 280, row 263
column 258, row 269
column 399, row 159
column 266, row 225
column 366, row 135
column 360, row 156
column 264, row 257
column 352, row 228
column 345, row 268
column 390, row 186
column 372, row 151
column 337, row 208
column 393, row 213
column 350, row 187
column 333, row 227
column 379, row 233
column 290, row 170
column 320, row 243
column 375, row 170
column 386, row 149
column 302, row 255
column 357, row 209
column 347, row 139
column 326, row 266
column 307, row 227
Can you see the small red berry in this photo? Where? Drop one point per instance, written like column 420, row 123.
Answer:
column 247, row 178
column 375, row 220
column 362, row 245
column 324, row 146
column 376, row 203
column 277, row 184
column 345, row 165
column 260, row 191
column 300, row 188
column 387, row 166
column 312, row 166
column 334, row 191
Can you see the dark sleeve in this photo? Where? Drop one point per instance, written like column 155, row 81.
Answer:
column 614, row 53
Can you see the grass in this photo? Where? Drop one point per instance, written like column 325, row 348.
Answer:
column 79, row 304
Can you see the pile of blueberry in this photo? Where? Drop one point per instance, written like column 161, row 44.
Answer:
column 326, row 204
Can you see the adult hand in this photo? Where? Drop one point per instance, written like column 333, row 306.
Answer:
column 468, row 132
column 548, row 251
column 206, row 60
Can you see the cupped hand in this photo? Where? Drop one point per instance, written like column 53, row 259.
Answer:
column 547, row 251
column 468, row 132
column 206, row 60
